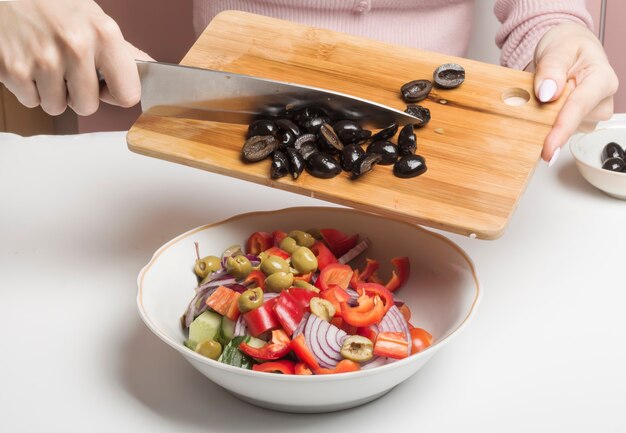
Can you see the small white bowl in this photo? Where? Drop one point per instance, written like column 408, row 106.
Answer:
column 443, row 293
column 587, row 148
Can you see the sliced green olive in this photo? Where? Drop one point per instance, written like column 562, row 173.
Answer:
column 357, row 348
column 207, row 266
column 322, row 308
column 210, row 348
column 302, row 238
column 250, row 299
column 288, row 244
column 239, row 266
column 304, row 260
column 279, row 281
column 274, row 264
column 304, row 285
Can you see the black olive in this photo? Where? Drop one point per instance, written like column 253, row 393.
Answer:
column 449, row 75
column 296, row 162
column 306, row 144
column 409, row 166
column 322, row 165
column 259, row 147
column 350, row 132
column 262, row 127
column 328, row 139
column 350, row 155
column 615, row 164
column 311, row 118
column 365, row 164
column 415, row 91
column 612, row 150
column 407, row 142
column 386, row 133
column 280, row 165
column 287, row 133
column 386, row 149
column 421, row 113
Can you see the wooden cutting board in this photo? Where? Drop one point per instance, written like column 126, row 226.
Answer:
column 480, row 152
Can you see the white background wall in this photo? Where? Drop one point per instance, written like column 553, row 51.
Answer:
column 483, row 43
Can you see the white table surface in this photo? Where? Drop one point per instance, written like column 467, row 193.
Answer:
column 80, row 216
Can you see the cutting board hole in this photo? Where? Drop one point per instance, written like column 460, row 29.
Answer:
column 515, row 97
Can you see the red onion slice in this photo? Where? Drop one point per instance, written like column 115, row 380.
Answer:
column 394, row 321
column 197, row 305
column 324, row 340
column 355, row 252
column 241, row 328
column 300, row 328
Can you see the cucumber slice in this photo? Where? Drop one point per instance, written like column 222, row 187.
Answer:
column 205, row 327
column 228, row 330
column 256, row 342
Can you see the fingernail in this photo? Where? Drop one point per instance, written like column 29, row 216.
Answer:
column 547, row 90
column 555, row 156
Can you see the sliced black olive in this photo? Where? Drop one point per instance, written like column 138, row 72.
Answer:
column 612, row 150
column 615, row 164
column 311, row 118
column 386, row 149
column 350, row 155
column 262, row 127
column 296, row 162
column 350, row 132
column 365, row 164
column 421, row 113
column 386, row 133
column 322, row 165
column 287, row 133
column 415, row 91
column 259, row 147
column 407, row 141
column 449, row 75
column 280, row 165
column 306, row 144
column 328, row 139
column 409, row 166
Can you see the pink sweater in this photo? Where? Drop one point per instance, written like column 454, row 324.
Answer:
column 436, row 25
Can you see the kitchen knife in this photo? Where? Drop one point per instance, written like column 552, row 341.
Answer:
column 195, row 93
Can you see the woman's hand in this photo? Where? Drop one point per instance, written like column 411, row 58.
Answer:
column 50, row 51
column 571, row 55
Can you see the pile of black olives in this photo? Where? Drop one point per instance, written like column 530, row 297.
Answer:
column 614, row 158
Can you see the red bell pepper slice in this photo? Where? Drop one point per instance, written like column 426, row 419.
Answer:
column 255, row 278
column 360, row 317
column 281, row 367
column 342, row 324
column 334, row 274
column 262, row 319
column 367, row 332
column 370, row 268
column 338, row 242
column 374, row 278
column 304, row 277
column 275, row 251
column 302, row 369
column 373, row 289
column 225, row 301
column 421, row 339
column 259, row 242
column 302, row 351
column 324, row 256
column 279, row 346
column 399, row 278
column 335, row 295
column 392, row 345
column 303, row 296
column 278, row 236
column 344, row 366
column 289, row 311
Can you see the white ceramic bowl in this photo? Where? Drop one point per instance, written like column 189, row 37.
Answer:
column 443, row 293
column 587, row 148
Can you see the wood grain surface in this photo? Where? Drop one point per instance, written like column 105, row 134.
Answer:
column 480, row 152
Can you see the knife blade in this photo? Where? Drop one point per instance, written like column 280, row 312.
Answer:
column 183, row 91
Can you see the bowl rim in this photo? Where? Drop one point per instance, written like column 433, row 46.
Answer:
column 575, row 144
column 186, row 352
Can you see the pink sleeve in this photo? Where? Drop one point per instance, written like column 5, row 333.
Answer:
column 524, row 22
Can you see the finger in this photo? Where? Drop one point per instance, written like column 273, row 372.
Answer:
column 50, row 82
column 25, row 91
column 105, row 94
column 118, row 67
column 603, row 111
column 551, row 74
column 83, row 90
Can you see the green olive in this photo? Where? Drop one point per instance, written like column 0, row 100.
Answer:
column 239, row 266
column 207, row 265
column 303, row 239
column 288, row 244
column 315, row 233
column 304, row 260
column 274, row 264
column 210, row 348
column 262, row 256
column 279, row 281
column 357, row 348
column 322, row 308
column 304, row 285
column 250, row 299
